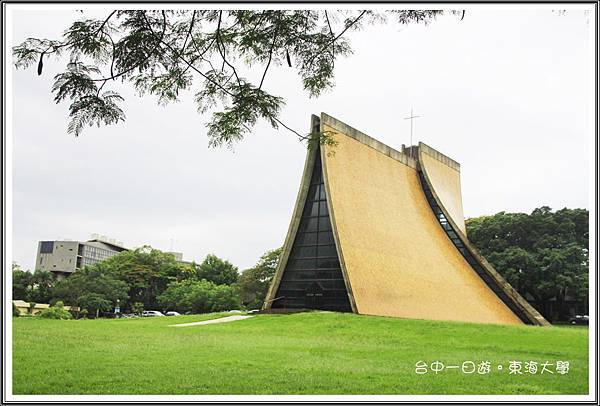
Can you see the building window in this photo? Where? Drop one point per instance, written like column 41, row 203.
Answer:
column 47, row 247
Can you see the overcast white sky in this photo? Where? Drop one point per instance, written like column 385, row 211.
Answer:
column 507, row 92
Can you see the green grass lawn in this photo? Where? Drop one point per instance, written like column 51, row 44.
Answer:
column 305, row 353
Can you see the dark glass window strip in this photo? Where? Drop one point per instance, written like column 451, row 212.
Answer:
column 471, row 260
column 313, row 278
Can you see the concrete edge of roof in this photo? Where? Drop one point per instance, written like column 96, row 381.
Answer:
column 368, row 140
column 115, row 247
column 384, row 148
column 445, row 159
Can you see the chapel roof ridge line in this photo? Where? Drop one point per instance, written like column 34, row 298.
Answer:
column 384, row 148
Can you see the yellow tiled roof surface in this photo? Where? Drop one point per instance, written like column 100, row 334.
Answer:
column 398, row 260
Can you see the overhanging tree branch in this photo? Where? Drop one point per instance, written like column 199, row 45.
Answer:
column 156, row 54
column 270, row 56
column 223, row 51
column 333, row 36
column 148, row 56
column 338, row 36
column 189, row 32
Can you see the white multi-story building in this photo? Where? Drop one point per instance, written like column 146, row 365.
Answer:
column 65, row 257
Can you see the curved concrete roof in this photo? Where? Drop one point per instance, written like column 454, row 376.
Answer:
column 396, row 258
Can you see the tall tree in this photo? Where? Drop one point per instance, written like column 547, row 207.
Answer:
column 22, row 283
column 31, row 287
column 544, row 254
column 225, row 55
column 42, row 286
column 91, row 286
column 217, row 270
column 254, row 282
column 146, row 271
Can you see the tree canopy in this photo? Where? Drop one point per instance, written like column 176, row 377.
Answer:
column 31, row 287
column 144, row 278
column 198, row 296
column 543, row 254
column 146, row 271
column 223, row 55
column 92, row 288
column 254, row 282
column 217, row 270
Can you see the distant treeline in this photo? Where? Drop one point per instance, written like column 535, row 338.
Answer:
column 146, row 278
